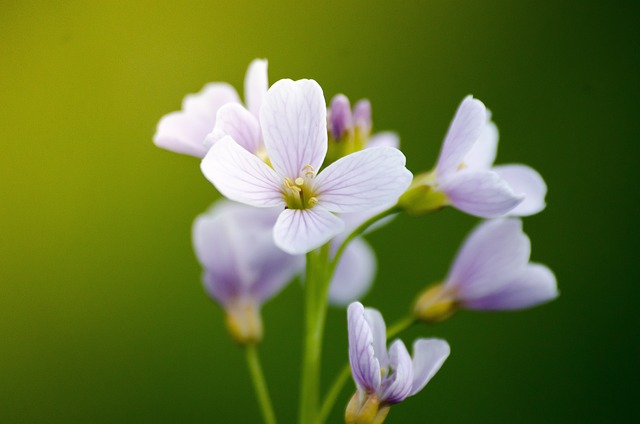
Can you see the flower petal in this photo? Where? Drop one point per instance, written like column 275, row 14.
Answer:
column 256, row 83
column 466, row 127
column 236, row 121
column 354, row 274
column 483, row 152
column 523, row 179
column 384, row 139
column 428, row 357
column 397, row 386
column 299, row 231
column 181, row 133
column 494, row 253
column 365, row 368
column 534, row 286
column 294, row 125
column 480, row 193
column 379, row 333
column 241, row 176
column 212, row 97
column 363, row 180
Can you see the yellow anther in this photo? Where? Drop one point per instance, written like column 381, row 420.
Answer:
column 312, row 201
column 308, row 171
column 299, row 181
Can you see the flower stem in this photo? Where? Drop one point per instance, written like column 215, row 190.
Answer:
column 316, row 289
column 259, row 384
column 334, row 391
column 400, row 325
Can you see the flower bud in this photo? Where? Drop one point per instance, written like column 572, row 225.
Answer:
column 243, row 321
column 421, row 197
column 340, row 118
column 435, row 304
column 362, row 119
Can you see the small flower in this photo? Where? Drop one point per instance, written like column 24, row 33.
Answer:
column 383, row 377
column 242, row 266
column 293, row 121
column 491, row 272
column 185, row 131
column 464, row 176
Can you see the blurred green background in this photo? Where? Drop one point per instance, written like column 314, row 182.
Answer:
column 102, row 316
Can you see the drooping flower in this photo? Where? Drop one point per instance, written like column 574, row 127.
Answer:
column 490, row 272
column 293, row 123
column 464, row 176
column 242, row 267
column 185, row 131
column 382, row 377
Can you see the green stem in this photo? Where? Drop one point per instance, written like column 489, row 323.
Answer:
column 259, row 384
column 334, row 391
column 400, row 325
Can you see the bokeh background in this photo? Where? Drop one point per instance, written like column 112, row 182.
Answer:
column 102, row 316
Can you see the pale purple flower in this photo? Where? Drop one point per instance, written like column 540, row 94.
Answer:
column 391, row 376
column 293, row 124
column 242, row 267
column 465, row 175
column 185, row 131
column 491, row 272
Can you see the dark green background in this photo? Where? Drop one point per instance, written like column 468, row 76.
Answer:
column 102, row 317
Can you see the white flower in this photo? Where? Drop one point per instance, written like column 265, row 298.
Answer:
column 293, row 121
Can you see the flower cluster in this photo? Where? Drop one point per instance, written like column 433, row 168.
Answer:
column 303, row 182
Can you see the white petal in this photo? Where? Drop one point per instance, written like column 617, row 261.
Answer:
column 428, row 357
column 483, row 152
column 526, row 180
column 365, row 367
column 480, row 193
column 212, row 97
column 236, row 121
column 354, row 274
column 241, row 176
column 384, row 139
column 534, row 286
column 464, row 130
column 294, row 125
column 397, row 386
column 379, row 334
column 299, row 231
column 363, row 180
column 495, row 252
column 181, row 133
column 256, row 83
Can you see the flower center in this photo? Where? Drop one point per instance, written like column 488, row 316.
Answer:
column 298, row 193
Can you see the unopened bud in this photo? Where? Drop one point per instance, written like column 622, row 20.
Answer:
column 362, row 118
column 340, row 118
column 436, row 303
column 244, row 322
column 365, row 409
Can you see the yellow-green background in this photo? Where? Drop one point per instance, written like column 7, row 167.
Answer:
column 102, row 317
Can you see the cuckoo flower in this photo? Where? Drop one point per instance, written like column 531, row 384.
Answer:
column 385, row 377
column 491, row 272
column 464, row 176
column 293, row 121
column 185, row 131
column 242, row 266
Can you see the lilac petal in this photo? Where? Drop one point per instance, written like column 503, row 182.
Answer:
column 238, row 123
column 363, row 180
column 339, row 116
column 483, row 152
column 379, row 334
column 384, row 139
column 397, row 386
column 354, row 274
column 206, row 103
column 365, row 368
column 362, row 115
column 428, row 357
column 466, row 127
column 299, row 231
column 182, row 133
column 241, row 176
column 495, row 252
column 532, row 287
column 480, row 193
column 256, row 83
column 523, row 179
column 294, row 125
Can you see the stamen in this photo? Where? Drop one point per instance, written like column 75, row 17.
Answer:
column 299, row 181
column 312, row 201
column 308, row 171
